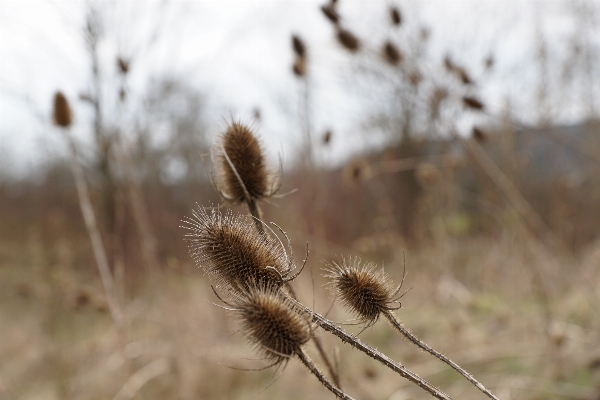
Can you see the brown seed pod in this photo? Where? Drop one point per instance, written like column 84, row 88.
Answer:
column 327, row 137
column 298, row 46
column 299, row 67
column 62, row 112
column 329, row 12
column 234, row 253
column 123, row 65
column 478, row 134
column 395, row 16
column 271, row 322
column 348, row 40
column 357, row 171
column 472, row 102
column 391, row 53
column 364, row 291
column 463, row 75
column 241, row 173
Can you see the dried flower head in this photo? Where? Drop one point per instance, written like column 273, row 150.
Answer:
column 348, row 40
column 357, row 171
column 299, row 67
column 478, row 134
column 364, row 291
column 234, row 253
column 241, row 173
column 472, row 102
column 271, row 322
column 62, row 112
column 298, row 46
column 395, row 16
column 123, row 65
column 391, row 53
column 329, row 12
column 327, row 137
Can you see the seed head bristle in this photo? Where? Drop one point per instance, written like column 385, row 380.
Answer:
column 270, row 322
column 472, row 102
column 360, row 288
column 62, row 112
column 230, row 249
column 348, row 40
column 391, row 53
column 241, row 173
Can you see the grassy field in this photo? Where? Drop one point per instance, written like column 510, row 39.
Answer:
column 523, row 322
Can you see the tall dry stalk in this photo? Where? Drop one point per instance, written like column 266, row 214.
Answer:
column 63, row 119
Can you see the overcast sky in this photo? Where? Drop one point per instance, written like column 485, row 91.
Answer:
column 238, row 53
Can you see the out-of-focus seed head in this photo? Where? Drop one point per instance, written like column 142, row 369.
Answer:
column 299, row 67
column 478, row 134
column 123, row 65
column 327, row 137
column 473, row 103
column 364, row 291
column 270, row 322
column 330, row 12
column 298, row 46
column 241, row 173
column 391, row 53
column 230, row 249
column 348, row 40
column 357, row 171
column 62, row 112
column 395, row 16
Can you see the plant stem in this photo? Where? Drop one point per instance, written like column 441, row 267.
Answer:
column 255, row 212
column 415, row 340
column 371, row 352
column 316, row 372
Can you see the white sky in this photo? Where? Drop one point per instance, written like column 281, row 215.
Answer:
column 239, row 54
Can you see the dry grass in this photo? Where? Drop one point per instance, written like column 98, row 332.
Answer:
column 477, row 300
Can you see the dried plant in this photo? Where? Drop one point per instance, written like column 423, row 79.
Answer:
column 239, row 258
column 370, row 294
column 62, row 112
column 391, row 53
column 473, row 103
column 276, row 327
column 229, row 249
column 348, row 40
column 395, row 16
column 241, row 173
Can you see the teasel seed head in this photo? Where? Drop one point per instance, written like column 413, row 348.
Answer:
column 366, row 292
column 391, row 53
column 299, row 67
column 241, row 173
column 230, row 249
column 395, row 16
column 62, row 112
column 271, row 322
column 472, row 102
column 330, row 13
column 298, row 46
column 348, row 40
